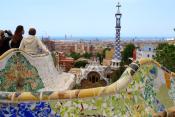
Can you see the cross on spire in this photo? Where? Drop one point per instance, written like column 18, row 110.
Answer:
column 117, row 54
column 118, row 6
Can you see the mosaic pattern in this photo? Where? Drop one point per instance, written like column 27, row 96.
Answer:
column 40, row 109
column 122, row 105
column 151, row 89
column 19, row 75
column 172, row 90
column 117, row 54
column 140, row 98
column 152, row 85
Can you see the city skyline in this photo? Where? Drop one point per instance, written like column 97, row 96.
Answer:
column 90, row 18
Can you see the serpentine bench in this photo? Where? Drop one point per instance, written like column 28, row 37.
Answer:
column 145, row 89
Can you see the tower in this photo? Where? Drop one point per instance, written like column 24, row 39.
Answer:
column 115, row 62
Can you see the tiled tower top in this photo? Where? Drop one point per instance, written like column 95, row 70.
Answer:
column 117, row 54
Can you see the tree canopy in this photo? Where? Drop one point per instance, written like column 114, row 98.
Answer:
column 165, row 55
column 127, row 53
column 100, row 57
column 104, row 51
column 75, row 55
column 87, row 55
column 80, row 64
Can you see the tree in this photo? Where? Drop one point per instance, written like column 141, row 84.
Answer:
column 75, row 55
column 100, row 57
column 104, row 51
column 165, row 55
column 80, row 64
column 87, row 55
column 117, row 74
column 127, row 53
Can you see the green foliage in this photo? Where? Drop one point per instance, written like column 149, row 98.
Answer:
column 117, row 74
column 127, row 53
column 87, row 55
column 165, row 55
column 75, row 55
column 80, row 64
column 100, row 56
column 104, row 51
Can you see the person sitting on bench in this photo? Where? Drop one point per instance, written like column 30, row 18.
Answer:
column 32, row 44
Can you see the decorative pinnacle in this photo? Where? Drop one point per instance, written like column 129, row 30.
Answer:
column 118, row 5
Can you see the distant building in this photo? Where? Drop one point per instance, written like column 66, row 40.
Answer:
column 77, row 73
column 172, row 41
column 50, row 44
column 108, row 57
column 93, row 75
column 66, row 63
column 106, row 62
column 145, row 51
column 109, row 54
column 77, row 47
column 65, row 47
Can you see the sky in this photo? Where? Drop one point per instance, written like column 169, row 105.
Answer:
column 140, row 18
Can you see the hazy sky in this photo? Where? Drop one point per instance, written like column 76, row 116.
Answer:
column 90, row 17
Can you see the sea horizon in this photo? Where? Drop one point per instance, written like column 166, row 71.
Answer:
column 107, row 38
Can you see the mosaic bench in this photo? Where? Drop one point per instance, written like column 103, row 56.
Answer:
column 145, row 89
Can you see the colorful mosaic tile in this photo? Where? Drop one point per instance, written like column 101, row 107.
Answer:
column 150, row 90
column 39, row 109
column 19, row 75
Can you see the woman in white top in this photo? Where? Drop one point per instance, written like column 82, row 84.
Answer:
column 32, row 44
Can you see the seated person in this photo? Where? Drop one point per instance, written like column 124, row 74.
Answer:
column 1, row 42
column 32, row 44
column 5, row 37
column 8, row 34
column 17, row 37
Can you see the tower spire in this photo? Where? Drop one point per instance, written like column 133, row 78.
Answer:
column 117, row 54
column 118, row 28
column 118, row 6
